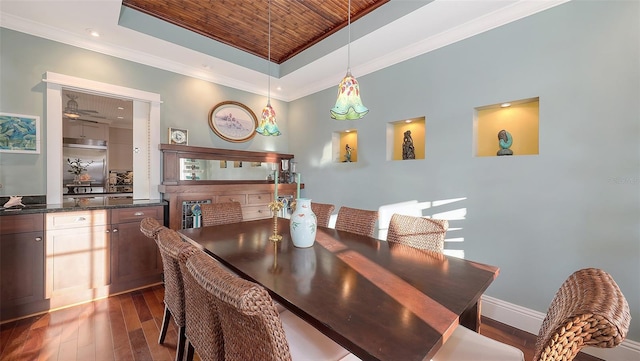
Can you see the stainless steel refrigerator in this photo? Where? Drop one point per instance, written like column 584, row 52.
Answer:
column 87, row 151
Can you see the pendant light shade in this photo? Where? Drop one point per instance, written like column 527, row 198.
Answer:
column 348, row 105
column 268, row 125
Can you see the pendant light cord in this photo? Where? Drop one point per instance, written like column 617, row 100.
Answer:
column 269, row 60
column 349, row 43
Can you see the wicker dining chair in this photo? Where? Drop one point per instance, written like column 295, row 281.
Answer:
column 202, row 323
column 323, row 212
column 252, row 328
column 418, row 232
column 214, row 214
column 358, row 221
column 171, row 245
column 150, row 227
column 588, row 310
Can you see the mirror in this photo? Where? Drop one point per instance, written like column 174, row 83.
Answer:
column 208, row 169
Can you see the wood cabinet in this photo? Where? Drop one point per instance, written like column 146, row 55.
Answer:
column 21, row 265
column 96, row 253
column 253, row 195
column 77, row 256
column 85, row 129
column 135, row 259
column 53, row 260
column 253, row 198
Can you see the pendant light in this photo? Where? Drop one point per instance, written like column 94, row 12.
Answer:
column 268, row 125
column 348, row 105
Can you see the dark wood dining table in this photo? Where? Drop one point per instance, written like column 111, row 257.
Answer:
column 379, row 300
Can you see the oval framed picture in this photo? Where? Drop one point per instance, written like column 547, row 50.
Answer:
column 233, row 121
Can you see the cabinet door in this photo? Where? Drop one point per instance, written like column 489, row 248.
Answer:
column 77, row 263
column 82, row 129
column 134, row 257
column 94, row 131
column 22, row 268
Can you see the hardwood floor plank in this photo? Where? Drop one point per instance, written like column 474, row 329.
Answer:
column 102, row 332
column 156, row 307
column 151, row 333
column 18, row 336
column 6, row 330
column 139, row 345
column 119, row 333
column 49, row 351
column 68, row 319
column 129, row 312
column 144, row 314
column 123, row 353
column 68, row 350
column 33, row 344
column 86, row 319
column 87, row 352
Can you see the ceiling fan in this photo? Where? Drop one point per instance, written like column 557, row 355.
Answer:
column 72, row 111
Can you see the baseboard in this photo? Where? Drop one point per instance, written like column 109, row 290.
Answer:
column 530, row 321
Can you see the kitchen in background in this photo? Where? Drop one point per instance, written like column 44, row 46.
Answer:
column 98, row 133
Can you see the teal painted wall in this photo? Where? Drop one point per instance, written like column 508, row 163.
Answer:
column 24, row 59
column 539, row 218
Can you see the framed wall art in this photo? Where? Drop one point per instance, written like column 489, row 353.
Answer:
column 233, row 121
column 19, row 133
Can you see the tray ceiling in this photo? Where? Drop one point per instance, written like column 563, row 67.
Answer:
column 295, row 24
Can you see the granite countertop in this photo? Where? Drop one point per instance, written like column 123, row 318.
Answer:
column 77, row 204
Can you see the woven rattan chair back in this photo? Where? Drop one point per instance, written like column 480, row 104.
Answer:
column 323, row 212
column 214, row 214
column 588, row 310
column 202, row 326
column 171, row 246
column 418, row 232
column 150, row 227
column 251, row 326
column 358, row 221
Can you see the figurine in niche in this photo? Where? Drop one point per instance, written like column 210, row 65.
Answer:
column 347, row 156
column 408, row 151
column 505, row 140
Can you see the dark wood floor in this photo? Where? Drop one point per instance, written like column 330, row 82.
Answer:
column 126, row 327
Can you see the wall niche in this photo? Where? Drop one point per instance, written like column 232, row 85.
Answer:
column 345, row 146
column 396, row 138
column 520, row 121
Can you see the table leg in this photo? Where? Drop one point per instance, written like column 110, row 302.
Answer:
column 470, row 318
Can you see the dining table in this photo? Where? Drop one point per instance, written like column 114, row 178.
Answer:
column 380, row 300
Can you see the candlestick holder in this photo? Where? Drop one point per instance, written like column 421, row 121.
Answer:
column 275, row 207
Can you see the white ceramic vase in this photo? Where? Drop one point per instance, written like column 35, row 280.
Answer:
column 303, row 224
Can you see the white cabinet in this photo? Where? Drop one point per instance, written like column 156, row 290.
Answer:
column 77, row 256
column 85, row 129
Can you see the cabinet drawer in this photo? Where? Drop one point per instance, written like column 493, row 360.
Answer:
column 64, row 220
column 20, row 223
column 136, row 214
column 259, row 198
column 255, row 212
column 239, row 197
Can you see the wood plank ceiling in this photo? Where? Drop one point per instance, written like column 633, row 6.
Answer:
column 295, row 24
